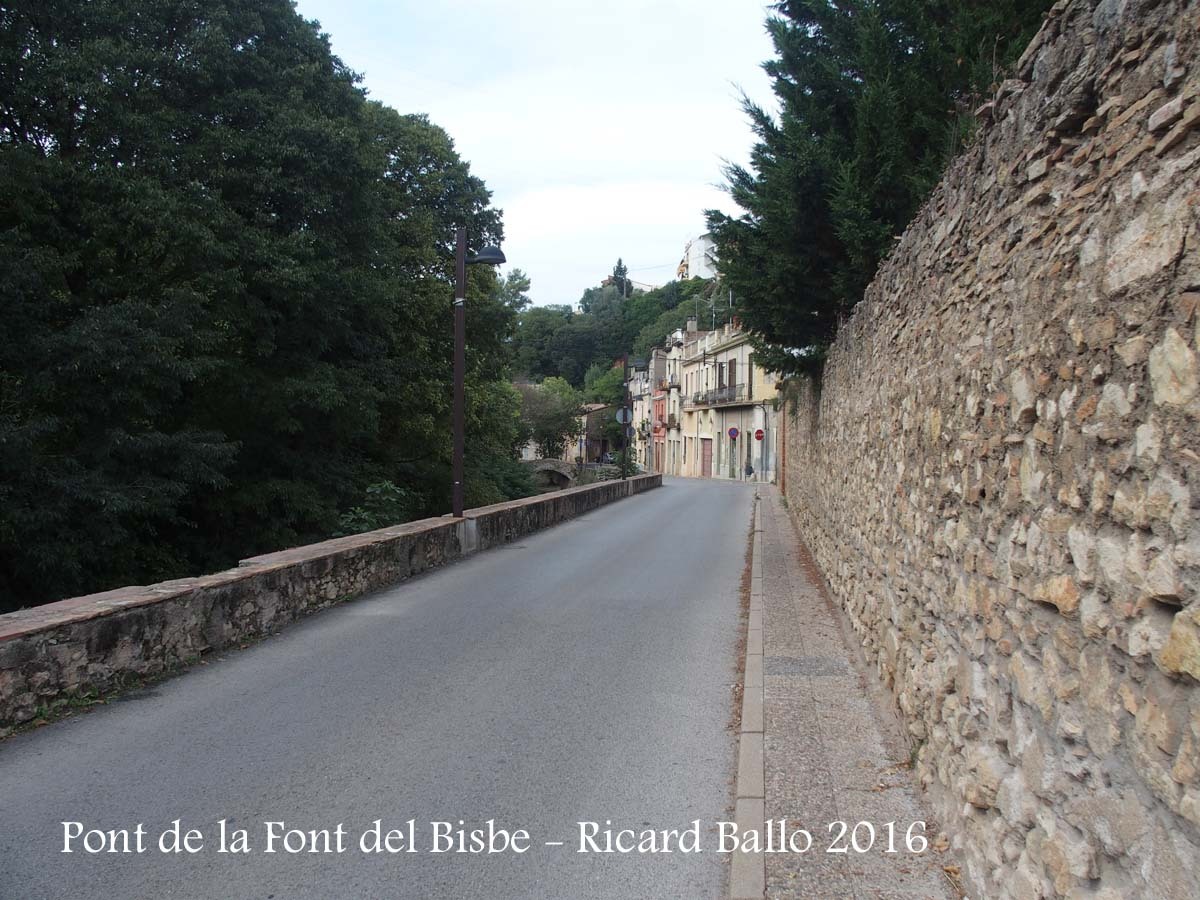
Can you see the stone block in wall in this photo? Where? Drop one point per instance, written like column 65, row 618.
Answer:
column 1180, row 654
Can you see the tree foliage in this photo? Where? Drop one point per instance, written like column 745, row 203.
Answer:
column 555, row 341
column 533, row 349
column 874, row 97
column 513, row 290
column 550, row 413
column 226, row 278
column 620, row 279
column 605, row 384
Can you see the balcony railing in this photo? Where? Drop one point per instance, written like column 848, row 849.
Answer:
column 672, row 420
column 731, row 393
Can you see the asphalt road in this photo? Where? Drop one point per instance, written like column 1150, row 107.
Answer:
column 581, row 674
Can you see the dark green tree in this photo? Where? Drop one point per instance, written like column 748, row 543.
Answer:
column 874, row 97
column 620, row 279
column 495, row 435
column 227, row 295
column 533, row 353
column 577, row 344
column 605, row 383
column 550, row 340
column 550, row 412
column 513, row 290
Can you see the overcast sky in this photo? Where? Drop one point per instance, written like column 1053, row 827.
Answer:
column 600, row 127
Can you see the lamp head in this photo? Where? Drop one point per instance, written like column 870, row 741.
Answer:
column 491, row 256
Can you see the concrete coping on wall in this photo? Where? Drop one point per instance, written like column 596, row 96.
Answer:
column 49, row 616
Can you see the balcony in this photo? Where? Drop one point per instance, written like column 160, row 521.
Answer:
column 722, row 396
column 672, row 421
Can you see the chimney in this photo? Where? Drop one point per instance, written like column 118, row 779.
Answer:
column 692, row 324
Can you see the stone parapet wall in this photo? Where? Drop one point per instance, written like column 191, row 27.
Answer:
column 999, row 474
column 503, row 522
column 95, row 643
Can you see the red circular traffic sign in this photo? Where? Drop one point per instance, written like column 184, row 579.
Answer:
column 758, row 435
column 733, row 433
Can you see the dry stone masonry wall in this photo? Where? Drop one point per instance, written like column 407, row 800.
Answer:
column 999, row 470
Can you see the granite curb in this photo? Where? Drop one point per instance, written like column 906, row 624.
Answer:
column 747, row 875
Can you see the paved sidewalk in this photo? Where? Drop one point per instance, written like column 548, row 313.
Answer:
column 832, row 751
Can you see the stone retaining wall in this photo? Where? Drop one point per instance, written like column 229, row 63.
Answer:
column 999, row 473
column 92, row 643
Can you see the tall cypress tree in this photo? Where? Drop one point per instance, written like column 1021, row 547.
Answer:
column 874, row 97
column 620, row 275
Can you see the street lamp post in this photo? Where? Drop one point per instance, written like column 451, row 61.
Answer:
column 491, row 256
column 627, row 425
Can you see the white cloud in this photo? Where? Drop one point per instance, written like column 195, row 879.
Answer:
column 577, row 232
column 600, row 127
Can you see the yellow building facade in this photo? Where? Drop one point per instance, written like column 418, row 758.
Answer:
column 728, row 409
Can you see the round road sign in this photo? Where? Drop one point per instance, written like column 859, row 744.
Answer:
column 733, row 433
column 624, row 415
column 758, row 434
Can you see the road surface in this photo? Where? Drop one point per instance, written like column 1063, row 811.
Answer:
column 581, row 674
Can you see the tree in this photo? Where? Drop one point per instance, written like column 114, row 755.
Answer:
column 875, row 96
column 620, row 277
column 192, row 186
column 653, row 334
column 513, row 291
column 227, row 283
column 551, row 340
column 533, row 353
column 577, row 344
column 605, row 384
column 495, row 434
column 550, row 412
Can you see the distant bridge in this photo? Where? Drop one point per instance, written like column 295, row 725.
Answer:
column 552, row 472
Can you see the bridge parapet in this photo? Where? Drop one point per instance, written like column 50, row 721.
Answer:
column 96, row 642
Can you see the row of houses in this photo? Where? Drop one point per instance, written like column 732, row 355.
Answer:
column 703, row 408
